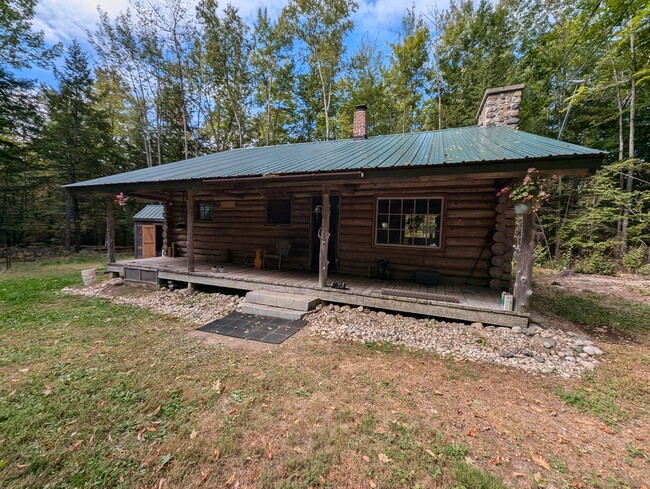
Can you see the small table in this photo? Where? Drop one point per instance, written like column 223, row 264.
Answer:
column 258, row 258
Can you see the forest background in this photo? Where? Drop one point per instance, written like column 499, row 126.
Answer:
column 168, row 80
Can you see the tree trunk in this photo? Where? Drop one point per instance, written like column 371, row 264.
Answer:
column 324, row 235
column 631, row 150
column 525, row 257
column 68, row 221
column 110, row 231
column 76, row 218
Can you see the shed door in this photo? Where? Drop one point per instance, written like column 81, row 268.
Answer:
column 148, row 241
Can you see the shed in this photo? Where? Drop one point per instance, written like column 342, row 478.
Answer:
column 148, row 231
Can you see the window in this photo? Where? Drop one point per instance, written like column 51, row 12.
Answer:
column 278, row 211
column 409, row 222
column 204, row 211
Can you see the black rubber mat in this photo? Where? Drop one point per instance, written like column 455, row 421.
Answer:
column 255, row 328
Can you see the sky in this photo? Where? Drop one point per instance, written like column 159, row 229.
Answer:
column 65, row 20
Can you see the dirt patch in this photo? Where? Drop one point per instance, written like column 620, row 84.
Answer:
column 633, row 288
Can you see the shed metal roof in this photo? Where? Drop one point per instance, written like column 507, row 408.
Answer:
column 472, row 144
column 151, row 212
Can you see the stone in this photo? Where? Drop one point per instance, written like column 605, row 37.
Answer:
column 506, row 354
column 477, row 325
column 549, row 343
column 583, row 355
column 516, row 329
column 576, row 348
column 540, row 358
column 526, row 352
column 360, row 308
column 592, row 350
column 588, row 365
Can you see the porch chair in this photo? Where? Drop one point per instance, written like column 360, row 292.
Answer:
column 282, row 249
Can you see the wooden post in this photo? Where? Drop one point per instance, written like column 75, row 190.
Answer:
column 525, row 257
column 190, row 231
column 324, row 235
column 110, row 231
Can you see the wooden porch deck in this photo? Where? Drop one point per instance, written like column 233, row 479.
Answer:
column 475, row 303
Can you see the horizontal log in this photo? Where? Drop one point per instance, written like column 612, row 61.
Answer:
column 499, row 237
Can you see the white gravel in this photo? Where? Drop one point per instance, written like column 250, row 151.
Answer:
column 533, row 349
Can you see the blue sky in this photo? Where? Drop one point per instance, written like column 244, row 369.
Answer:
column 65, row 20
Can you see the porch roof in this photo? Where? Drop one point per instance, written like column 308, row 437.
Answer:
column 484, row 146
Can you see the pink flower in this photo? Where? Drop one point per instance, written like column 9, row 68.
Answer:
column 526, row 180
column 531, row 170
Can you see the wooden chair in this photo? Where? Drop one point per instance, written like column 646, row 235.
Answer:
column 282, row 249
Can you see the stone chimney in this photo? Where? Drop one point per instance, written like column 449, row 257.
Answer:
column 359, row 123
column 500, row 107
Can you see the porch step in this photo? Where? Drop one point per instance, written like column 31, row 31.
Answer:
column 271, row 311
column 282, row 300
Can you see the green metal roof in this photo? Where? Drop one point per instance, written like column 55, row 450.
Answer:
column 151, row 212
column 449, row 146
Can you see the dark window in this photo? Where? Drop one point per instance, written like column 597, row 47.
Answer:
column 409, row 222
column 278, row 211
column 204, row 211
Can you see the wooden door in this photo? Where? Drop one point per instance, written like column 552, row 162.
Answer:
column 148, row 241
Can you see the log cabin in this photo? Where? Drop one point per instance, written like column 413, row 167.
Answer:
column 407, row 222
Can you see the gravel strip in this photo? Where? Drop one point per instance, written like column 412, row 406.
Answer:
column 533, row 349
column 197, row 309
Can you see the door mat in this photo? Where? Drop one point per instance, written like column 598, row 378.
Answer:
column 420, row 295
column 253, row 327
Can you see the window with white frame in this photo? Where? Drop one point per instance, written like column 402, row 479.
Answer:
column 409, row 221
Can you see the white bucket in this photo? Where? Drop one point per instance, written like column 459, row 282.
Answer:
column 88, row 276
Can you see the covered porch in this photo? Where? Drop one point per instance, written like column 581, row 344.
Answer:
column 450, row 299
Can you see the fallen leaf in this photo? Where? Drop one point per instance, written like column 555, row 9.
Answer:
column 24, row 370
column 161, row 483
column 539, row 460
column 13, row 392
column 76, row 444
column 165, row 460
column 151, row 428
column 48, row 390
column 438, row 393
column 216, row 386
column 193, row 434
column 372, row 484
column 537, row 476
column 430, row 454
column 384, row 458
column 472, row 432
column 110, row 438
column 216, row 454
column 585, row 421
column 366, row 458
column 518, row 474
column 231, row 480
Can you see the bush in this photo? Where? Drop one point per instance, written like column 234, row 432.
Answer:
column 635, row 258
column 644, row 270
column 596, row 264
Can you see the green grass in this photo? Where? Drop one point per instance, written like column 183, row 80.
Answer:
column 94, row 394
column 600, row 404
column 592, row 311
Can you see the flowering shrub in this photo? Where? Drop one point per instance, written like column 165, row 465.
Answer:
column 121, row 199
column 534, row 189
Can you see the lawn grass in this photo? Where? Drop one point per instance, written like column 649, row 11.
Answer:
column 592, row 311
column 95, row 394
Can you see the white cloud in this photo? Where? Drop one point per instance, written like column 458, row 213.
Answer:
column 64, row 20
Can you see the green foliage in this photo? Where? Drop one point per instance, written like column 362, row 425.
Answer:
column 596, row 263
column 635, row 258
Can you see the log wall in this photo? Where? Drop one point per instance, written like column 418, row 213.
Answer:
column 473, row 222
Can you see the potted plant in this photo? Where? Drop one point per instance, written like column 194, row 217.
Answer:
column 533, row 191
column 125, row 202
